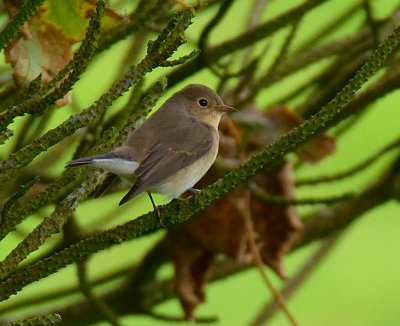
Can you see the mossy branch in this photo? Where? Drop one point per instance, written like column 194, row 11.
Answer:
column 10, row 218
column 178, row 211
column 5, row 134
column 13, row 27
column 46, row 320
column 51, row 225
column 149, row 291
column 43, row 298
column 10, row 204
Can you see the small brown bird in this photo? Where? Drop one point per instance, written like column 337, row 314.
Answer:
column 171, row 150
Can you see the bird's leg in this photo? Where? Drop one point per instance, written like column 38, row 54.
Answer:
column 156, row 209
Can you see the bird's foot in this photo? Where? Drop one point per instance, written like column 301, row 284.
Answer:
column 194, row 191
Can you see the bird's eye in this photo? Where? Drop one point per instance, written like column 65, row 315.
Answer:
column 203, row 102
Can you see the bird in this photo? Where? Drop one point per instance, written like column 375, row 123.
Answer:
column 170, row 151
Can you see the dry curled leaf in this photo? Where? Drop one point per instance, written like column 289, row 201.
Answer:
column 219, row 229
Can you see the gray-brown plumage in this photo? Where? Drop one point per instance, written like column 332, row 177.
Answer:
column 171, row 150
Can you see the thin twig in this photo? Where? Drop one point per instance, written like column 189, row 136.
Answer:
column 283, row 51
column 254, row 17
column 304, row 272
column 353, row 170
column 324, row 31
column 371, row 21
column 97, row 303
column 202, row 44
column 244, row 208
column 282, row 201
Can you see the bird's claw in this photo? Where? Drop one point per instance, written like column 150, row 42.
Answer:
column 194, row 191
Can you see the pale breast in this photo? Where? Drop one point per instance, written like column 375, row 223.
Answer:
column 187, row 177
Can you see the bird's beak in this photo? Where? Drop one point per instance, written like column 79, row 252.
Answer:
column 227, row 108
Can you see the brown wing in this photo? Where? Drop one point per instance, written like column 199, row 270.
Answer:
column 178, row 150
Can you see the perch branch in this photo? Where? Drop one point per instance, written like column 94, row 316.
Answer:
column 148, row 291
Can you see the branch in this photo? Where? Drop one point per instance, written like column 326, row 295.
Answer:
column 148, row 291
column 50, row 319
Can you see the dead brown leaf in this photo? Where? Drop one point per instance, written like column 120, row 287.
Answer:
column 45, row 43
column 220, row 228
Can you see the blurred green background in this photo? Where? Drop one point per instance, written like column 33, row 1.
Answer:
column 357, row 284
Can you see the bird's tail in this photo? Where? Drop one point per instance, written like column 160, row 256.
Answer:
column 112, row 162
column 83, row 161
column 94, row 160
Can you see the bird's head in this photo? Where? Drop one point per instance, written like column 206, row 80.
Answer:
column 203, row 103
